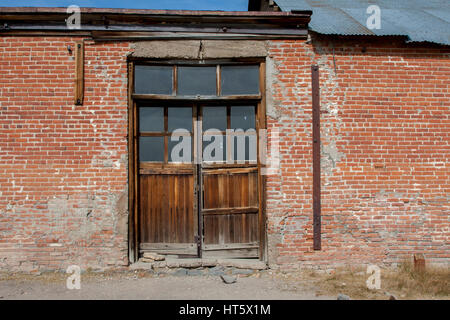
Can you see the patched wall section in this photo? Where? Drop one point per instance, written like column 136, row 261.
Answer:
column 199, row 49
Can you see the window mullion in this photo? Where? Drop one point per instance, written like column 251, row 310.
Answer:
column 218, row 91
column 175, row 80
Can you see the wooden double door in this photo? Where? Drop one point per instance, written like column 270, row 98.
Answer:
column 198, row 181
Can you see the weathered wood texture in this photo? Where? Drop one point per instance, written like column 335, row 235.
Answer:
column 166, row 209
column 230, row 216
column 126, row 24
column 132, row 190
column 215, row 205
column 189, row 249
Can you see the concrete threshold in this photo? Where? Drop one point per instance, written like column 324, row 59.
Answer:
column 188, row 263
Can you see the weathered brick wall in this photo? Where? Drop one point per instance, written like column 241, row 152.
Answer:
column 385, row 149
column 385, row 127
column 63, row 168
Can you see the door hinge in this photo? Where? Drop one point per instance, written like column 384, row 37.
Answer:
column 197, row 239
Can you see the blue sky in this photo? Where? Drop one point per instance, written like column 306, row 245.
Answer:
column 228, row 5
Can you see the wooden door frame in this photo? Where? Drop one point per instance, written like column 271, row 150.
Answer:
column 133, row 167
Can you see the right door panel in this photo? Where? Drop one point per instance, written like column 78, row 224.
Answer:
column 230, row 212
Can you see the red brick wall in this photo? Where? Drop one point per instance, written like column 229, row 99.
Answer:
column 63, row 168
column 385, row 127
column 385, row 149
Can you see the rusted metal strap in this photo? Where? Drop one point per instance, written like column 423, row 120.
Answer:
column 316, row 156
column 79, row 73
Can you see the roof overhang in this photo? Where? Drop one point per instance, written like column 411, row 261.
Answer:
column 127, row 24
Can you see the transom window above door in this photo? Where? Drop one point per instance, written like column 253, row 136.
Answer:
column 186, row 80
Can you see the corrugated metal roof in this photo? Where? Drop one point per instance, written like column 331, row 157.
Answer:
column 420, row 20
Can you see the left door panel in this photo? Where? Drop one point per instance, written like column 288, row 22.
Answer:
column 167, row 215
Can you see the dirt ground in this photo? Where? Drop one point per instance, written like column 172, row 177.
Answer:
column 138, row 285
column 304, row 285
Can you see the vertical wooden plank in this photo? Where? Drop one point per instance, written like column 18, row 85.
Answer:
column 166, row 203
column 175, row 81
column 197, row 135
column 233, row 227
column 136, row 176
column 151, row 197
column 212, row 191
column 79, row 73
column 240, row 236
column 231, row 191
column 194, row 181
column 141, row 205
column 177, row 213
column 156, row 202
column 199, row 152
column 220, row 194
column 261, row 124
column 174, row 205
column 132, row 246
column 153, row 210
column 218, row 85
column 316, row 156
column 144, row 212
column 190, row 217
column 169, row 223
column 236, row 182
column 150, row 231
column 253, row 189
column 227, row 228
column 182, row 214
column 254, row 235
column 243, row 181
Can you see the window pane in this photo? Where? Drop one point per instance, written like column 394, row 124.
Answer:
column 214, row 148
column 153, row 79
column 214, row 118
column 151, row 149
column 245, row 148
column 151, row 119
column 180, row 150
column 180, row 118
column 242, row 117
column 239, row 80
column 196, row 81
